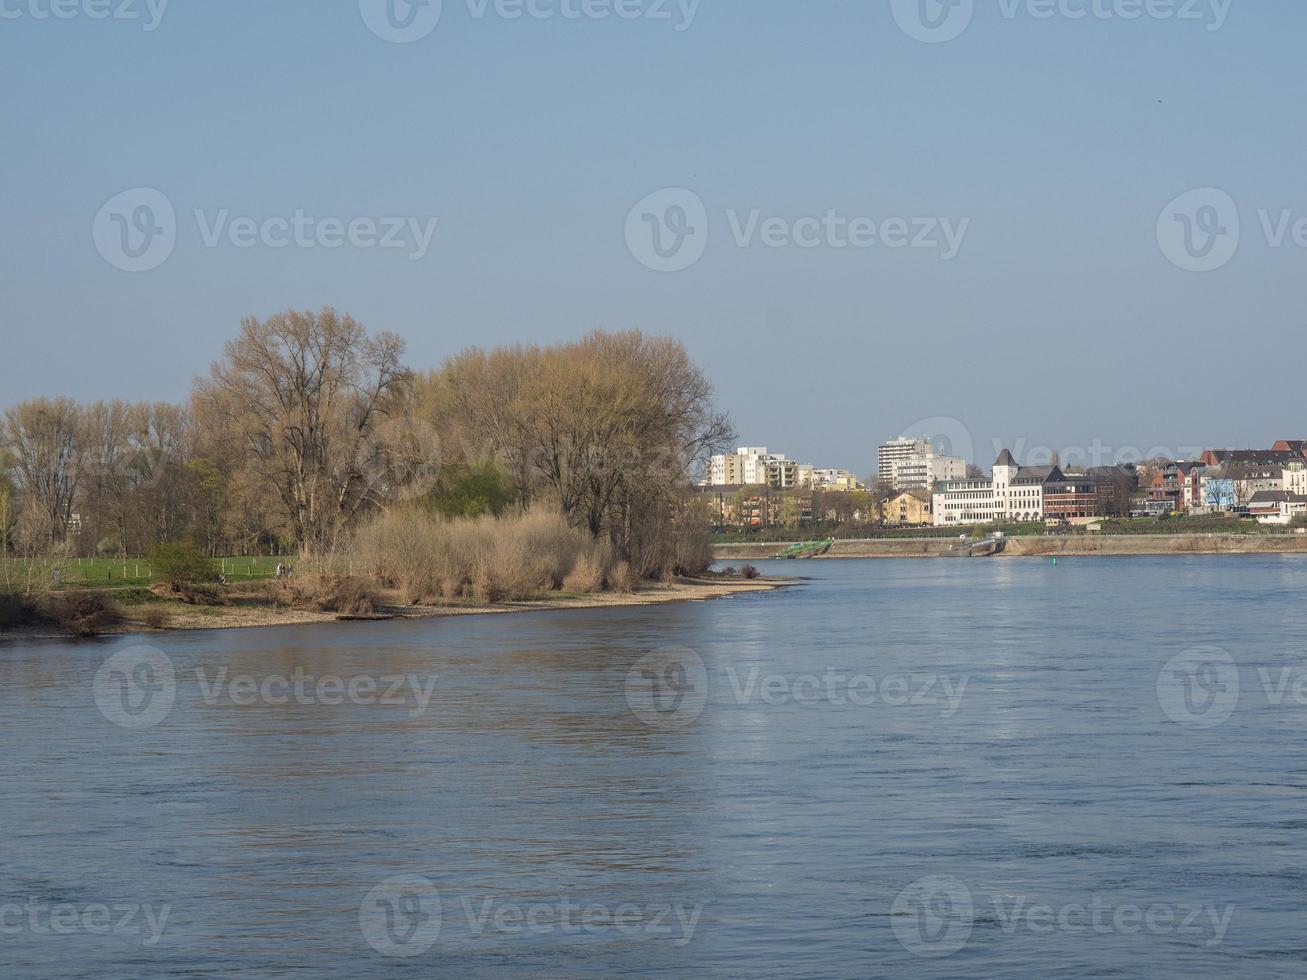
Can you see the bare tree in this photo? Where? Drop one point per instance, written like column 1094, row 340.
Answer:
column 304, row 394
column 608, row 429
column 43, row 438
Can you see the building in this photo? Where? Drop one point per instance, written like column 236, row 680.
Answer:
column 739, row 506
column 894, row 452
column 841, row 481
column 1294, row 478
column 1217, row 493
column 1116, row 487
column 1072, row 500
column 1277, row 506
column 780, row 473
column 1015, row 494
column 913, row 464
column 1253, row 457
column 1166, row 494
column 749, row 466
column 906, row 508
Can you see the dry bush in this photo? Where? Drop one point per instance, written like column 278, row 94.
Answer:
column 486, row 587
column 339, row 594
column 153, row 617
column 750, row 572
column 83, row 614
column 19, row 610
column 428, row 557
column 396, row 551
column 190, row 595
column 623, row 578
column 588, row 572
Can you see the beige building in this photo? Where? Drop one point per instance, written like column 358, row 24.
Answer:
column 907, row 508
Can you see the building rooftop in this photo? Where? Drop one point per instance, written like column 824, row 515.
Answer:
column 1038, row 474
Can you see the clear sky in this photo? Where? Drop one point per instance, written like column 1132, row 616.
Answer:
column 1050, row 144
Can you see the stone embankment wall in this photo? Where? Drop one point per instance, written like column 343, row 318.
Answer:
column 1078, row 544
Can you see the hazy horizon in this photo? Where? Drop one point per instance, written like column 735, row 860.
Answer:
column 1031, row 159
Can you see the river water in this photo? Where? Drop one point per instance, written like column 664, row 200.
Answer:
column 895, row 768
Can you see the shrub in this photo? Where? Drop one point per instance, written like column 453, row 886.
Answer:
column 83, row 614
column 749, row 572
column 339, row 594
column 623, row 578
column 181, row 563
column 587, row 574
column 19, row 610
column 429, row 558
column 154, row 617
column 190, row 595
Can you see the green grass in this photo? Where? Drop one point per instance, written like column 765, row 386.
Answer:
column 101, row 573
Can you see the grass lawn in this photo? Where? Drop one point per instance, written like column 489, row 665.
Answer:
column 115, row 573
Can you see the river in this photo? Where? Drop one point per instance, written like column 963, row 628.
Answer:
column 899, row 768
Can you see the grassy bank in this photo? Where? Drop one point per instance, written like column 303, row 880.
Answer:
column 21, row 575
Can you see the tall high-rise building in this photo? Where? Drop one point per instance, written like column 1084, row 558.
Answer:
column 913, row 464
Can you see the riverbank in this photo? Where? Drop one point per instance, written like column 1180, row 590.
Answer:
column 245, row 612
column 1023, row 547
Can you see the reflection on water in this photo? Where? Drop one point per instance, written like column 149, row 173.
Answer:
column 771, row 833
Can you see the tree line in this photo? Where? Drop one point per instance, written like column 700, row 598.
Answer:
column 311, row 425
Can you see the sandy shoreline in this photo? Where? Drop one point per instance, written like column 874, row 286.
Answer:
column 182, row 617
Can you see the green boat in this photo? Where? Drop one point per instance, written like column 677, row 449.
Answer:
column 807, row 549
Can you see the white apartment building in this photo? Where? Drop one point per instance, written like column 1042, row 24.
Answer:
column 754, row 466
column 757, row 466
column 1013, row 494
column 894, row 452
column 746, row 466
column 913, row 464
column 1294, row 479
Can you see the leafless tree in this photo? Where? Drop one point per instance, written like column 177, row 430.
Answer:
column 43, row 438
column 304, row 394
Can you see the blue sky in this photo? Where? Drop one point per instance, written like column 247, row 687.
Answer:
column 1056, row 142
